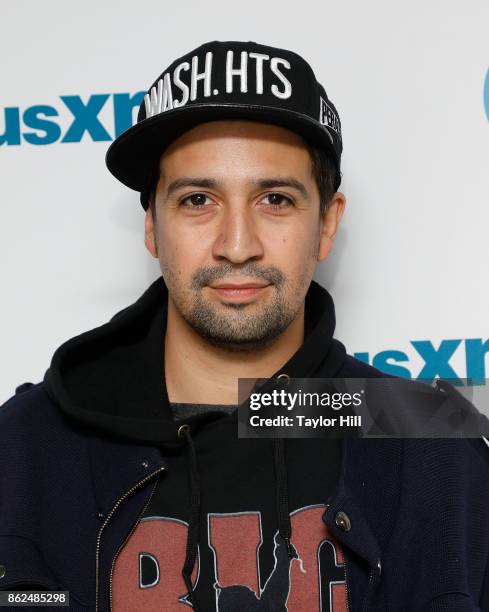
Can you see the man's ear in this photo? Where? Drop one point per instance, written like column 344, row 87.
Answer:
column 149, row 233
column 329, row 224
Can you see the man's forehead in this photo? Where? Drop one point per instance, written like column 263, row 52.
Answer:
column 246, row 146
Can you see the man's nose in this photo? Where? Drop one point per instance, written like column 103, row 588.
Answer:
column 237, row 238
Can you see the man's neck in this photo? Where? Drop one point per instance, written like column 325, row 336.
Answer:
column 199, row 372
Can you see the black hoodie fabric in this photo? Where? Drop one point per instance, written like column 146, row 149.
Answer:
column 232, row 524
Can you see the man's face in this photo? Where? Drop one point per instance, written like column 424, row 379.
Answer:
column 238, row 231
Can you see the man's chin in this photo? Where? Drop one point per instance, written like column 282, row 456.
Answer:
column 238, row 325
column 240, row 333
column 238, row 344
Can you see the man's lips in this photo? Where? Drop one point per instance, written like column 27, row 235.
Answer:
column 238, row 291
column 238, row 285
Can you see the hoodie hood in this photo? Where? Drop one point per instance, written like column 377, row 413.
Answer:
column 111, row 378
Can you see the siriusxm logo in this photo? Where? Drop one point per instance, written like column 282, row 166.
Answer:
column 436, row 360
column 42, row 124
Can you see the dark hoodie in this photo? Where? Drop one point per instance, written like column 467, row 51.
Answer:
column 235, row 500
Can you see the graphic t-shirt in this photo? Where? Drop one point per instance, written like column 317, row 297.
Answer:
column 242, row 563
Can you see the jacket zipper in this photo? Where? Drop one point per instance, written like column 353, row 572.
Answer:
column 116, row 505
column 124, row 543
column 347, row 593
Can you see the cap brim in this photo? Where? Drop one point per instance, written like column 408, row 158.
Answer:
column 131, row 157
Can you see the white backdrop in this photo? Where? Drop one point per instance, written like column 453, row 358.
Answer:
column 410, row 262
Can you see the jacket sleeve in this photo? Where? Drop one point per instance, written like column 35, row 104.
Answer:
column 22, row 563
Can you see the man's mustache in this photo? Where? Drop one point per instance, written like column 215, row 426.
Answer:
column 210, row 274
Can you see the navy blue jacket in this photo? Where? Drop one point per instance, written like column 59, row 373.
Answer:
column 72, row 488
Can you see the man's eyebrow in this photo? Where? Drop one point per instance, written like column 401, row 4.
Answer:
column 264, row 183
column 286, row 181
column 191, row 181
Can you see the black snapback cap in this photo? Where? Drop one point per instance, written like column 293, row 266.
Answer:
column 225, row 80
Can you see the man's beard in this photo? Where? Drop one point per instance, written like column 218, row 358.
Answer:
column 236, row 326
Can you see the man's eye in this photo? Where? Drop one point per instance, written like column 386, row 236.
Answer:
column 278, row 200
column 195, row 200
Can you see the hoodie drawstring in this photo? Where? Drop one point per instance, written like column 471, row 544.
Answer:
column 282, row 504
column 194, row 522
column 282, row 496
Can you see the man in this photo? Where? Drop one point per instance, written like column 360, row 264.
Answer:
column 122, row 479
